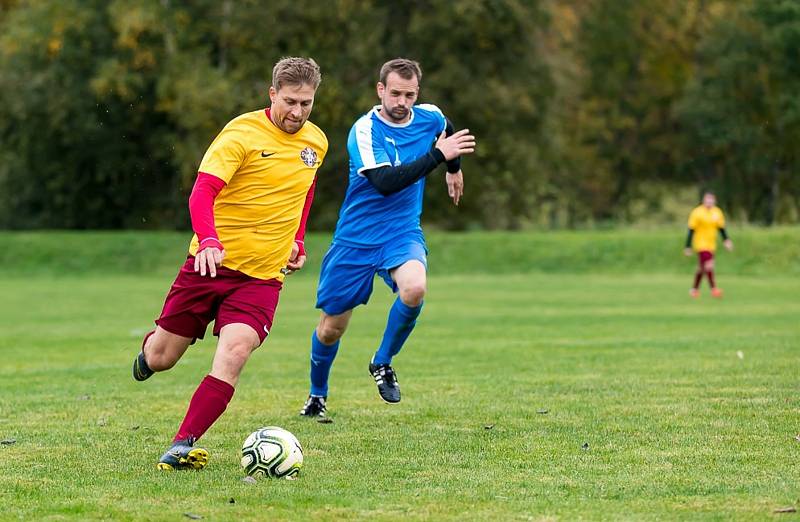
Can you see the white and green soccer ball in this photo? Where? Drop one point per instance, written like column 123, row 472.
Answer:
column 272, row 452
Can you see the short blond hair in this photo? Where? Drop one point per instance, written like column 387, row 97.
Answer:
column 296, row 71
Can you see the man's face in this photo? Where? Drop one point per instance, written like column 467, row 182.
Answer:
column 709, row 200
column 291, row 106
column 397, row 97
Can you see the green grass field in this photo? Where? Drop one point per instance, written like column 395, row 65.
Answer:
column 658, row 407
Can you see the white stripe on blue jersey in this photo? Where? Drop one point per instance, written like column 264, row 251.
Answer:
column 364, row 139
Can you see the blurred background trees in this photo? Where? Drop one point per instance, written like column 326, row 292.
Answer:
column 587, row 112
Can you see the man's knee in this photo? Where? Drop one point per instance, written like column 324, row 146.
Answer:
column 413, row 294
column 330, row 330
column 237, row 349
column 708, row 266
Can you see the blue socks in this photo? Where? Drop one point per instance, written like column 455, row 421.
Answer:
column 322, row 356
column 402, row 319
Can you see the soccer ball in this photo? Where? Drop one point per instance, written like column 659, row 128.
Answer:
column 272, row 452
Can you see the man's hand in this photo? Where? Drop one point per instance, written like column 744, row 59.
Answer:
column 460, row 143
column 728, row 245
column 208, row 259
column 455, row 186
column 296, row 261
column 688, row 252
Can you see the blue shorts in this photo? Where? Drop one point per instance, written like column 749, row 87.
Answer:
column 345, row 280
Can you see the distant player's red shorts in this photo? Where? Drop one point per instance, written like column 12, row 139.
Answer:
column 703, row 256
column 231, row 297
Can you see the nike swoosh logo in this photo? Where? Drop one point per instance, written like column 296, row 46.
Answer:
column 267, row 154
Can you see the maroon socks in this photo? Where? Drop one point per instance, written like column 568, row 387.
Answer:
column 207, row 404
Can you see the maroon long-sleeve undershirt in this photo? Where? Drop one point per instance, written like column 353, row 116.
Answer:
column 201, row 209
column 300, row 236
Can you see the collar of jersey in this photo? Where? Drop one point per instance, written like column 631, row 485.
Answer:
column 377, row 113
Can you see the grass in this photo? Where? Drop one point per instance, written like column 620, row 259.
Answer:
column 759, row 251
column 688, row 409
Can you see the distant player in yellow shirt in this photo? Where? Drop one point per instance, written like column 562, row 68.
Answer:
column 248, row 208
column 705, row 222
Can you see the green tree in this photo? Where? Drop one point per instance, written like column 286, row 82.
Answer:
column 742, row 111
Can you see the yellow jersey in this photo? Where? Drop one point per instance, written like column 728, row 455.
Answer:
column 267, row 173
column 706, row 223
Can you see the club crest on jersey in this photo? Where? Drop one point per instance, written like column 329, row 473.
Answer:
column 309, row 156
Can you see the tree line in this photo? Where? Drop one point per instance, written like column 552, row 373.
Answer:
column 587, row 111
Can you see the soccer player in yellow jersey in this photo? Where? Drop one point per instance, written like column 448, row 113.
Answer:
column 248, row 208
column 705, row 222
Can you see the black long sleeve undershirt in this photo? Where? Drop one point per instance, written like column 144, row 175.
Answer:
column 388, row 180
column 724, row 234
column 454, row 165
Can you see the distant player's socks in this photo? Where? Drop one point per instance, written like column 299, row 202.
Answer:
column 322, row 356
column 207, row 404
column 698, row 276
column 402, row 319
column 141, row 371
column 314, row 407
column 386, row 379
column 183, row 455
column 710, row 275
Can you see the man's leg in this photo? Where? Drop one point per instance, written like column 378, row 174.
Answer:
column 708, row 266
column 355, row 266
column 186, row 313
column 410, row 278
column 160, row 351
column 236, row 342
column 324, row 347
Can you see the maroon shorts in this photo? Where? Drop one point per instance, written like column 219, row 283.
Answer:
column 703, row 256
column 194, row 301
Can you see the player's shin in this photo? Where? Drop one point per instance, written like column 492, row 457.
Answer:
column 322, row 356
column 208, row 402
column 698, row 276
column 401, row 322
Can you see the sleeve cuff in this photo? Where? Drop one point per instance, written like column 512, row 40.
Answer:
column 209, row 242
column 437, row 155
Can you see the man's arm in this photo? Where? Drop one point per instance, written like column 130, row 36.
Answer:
column 453, row 165
column 725, row 239
column 390, row 179
column 201, row 210
column 297, row 258
column 300, row 235
column 687, row 249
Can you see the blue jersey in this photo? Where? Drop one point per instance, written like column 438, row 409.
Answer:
column 367, row 218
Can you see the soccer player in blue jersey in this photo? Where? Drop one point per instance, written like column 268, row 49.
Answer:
column 392, row 149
